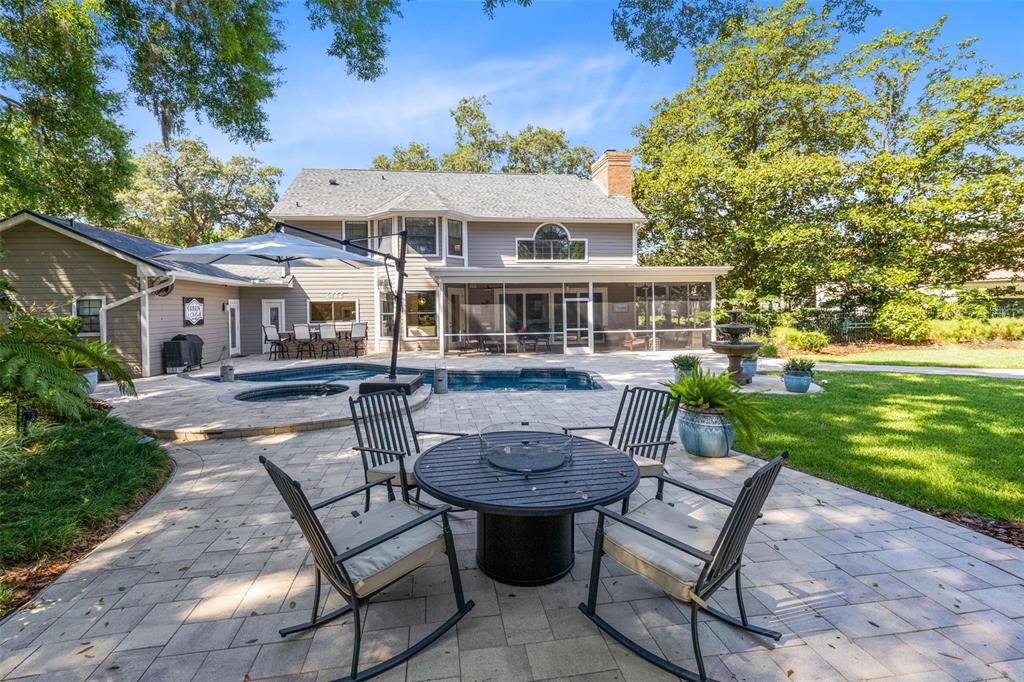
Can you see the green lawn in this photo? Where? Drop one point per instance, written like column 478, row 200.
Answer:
column 64, row 482
column 942, row 356
column 944, row 443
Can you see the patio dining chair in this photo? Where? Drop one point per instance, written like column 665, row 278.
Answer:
column 388, row 439
column 278, row 348
column 682, row 554
column 379, row 548
column 304, row 341
column 642, row 427
column 329, row 341
column 357, row 335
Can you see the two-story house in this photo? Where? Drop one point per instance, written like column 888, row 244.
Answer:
column 498, row 263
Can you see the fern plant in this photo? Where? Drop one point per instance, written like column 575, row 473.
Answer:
column 38, row 358
column 703, row 390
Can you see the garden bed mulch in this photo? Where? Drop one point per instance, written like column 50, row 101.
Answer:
column 1010, row 532
column 841, row 349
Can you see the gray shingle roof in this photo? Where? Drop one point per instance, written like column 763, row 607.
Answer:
column 481, row 195
column 146, row 250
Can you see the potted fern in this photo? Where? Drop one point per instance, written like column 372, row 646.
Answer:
column 685, row 365
column 797, row 374
column 712, row 411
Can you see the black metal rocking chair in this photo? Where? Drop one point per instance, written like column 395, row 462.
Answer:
column 642, row 427
column 380, row 548
column 683, row 555
column 388, row 439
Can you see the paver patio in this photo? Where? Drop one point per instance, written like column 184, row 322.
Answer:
column 197, row 583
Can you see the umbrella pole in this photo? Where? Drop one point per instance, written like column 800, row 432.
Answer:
column 399, row 300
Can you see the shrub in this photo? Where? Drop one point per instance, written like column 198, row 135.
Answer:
column 799, row 366
column 686, row 363
column 967, row 330
column 959, row 331
column 768, row 350
column 1007, row 328
column 902, row 321
column 795, row 339
column 975, row 304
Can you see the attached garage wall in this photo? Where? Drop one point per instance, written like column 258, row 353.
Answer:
column 48, row 270
column 166, row 320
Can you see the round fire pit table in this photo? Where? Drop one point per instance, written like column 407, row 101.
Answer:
column 525, row 520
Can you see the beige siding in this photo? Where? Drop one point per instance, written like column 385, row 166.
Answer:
column 166, row 320
column 493, row 245
column 48, row 270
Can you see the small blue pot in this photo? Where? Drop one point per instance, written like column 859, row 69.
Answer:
column 705, row 433
column 796, row 383
column 680, row 373
column 749, row 366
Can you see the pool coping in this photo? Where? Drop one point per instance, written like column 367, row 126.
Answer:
column 195, row 408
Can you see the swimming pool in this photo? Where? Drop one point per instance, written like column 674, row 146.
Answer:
column 526, row 379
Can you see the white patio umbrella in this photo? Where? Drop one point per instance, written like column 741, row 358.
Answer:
column 283, row 248
column 273, row 247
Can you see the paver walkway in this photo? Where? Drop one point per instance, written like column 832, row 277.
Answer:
column 195, row 586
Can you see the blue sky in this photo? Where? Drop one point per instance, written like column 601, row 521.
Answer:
column 553, row 64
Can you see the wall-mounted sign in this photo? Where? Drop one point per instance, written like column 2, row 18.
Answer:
column 193, row 311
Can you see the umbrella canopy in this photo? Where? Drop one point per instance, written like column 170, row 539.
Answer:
column 274, row 247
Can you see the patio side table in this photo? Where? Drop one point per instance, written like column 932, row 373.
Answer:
column 525, row 521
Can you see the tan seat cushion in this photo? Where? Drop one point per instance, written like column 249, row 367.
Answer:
column 674, row 571
column 648, row 466
column 380, row 566
column 391, row 469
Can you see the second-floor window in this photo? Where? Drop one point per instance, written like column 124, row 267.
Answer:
column 422, row 235
column 454, row 237
column 551, row 242
column 358, row 231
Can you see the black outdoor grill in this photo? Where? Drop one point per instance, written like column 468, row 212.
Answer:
column 183, row 353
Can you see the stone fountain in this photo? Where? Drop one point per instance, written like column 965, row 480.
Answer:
column 734, row 347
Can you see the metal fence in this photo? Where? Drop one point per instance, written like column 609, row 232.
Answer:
column 836, row 325
column 1009, row 307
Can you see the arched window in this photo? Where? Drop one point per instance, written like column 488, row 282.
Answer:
column 551, row 232
column 551, row 241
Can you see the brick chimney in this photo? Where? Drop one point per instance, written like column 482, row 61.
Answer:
column 613, row 173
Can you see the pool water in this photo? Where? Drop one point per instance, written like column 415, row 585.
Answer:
column 481, row 380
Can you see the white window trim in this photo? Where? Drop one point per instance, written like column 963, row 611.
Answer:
column 412, row 253
column 569, row 239
column 405, row 312
column 102, row 335
column 447, row 237
column 311, row 301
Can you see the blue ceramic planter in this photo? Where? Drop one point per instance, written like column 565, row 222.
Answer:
column 704, row 433
column 749, row 366
column 680, row 373
column 796, row 383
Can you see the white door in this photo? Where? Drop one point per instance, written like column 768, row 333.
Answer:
column 273, row 313
column 234, row 328
column 577, row 317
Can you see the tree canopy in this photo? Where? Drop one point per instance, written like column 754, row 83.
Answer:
column 183, row 196
column 883, row 169
column 479, row 148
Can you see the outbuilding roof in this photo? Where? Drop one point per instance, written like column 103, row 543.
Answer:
column 324, row 192
column 146, row 250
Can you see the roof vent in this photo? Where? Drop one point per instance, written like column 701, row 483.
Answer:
column 332, row 181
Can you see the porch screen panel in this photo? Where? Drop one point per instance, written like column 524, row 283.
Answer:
column 682, row 315
column 622, row 316
column 484, row 317
column 530, row 318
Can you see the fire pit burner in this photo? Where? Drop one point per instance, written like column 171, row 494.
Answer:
column 525, row 447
